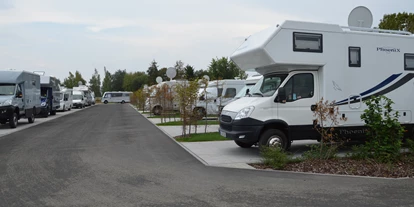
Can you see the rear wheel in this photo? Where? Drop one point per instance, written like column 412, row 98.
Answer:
column 53, row 112
column 243, row 145
column 200, row 112
column 13, row 121
column 157, row 110
column 122, row 102
column 274, row 138
column 31, row 119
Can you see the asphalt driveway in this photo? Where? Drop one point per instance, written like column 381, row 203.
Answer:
column 109, row 155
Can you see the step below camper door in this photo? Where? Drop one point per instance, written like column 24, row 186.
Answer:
column 302, row 91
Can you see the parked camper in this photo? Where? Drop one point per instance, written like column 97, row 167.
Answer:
column 158, row 104
column 218, row 93
column 66, row 99
column 86, row 93
column 79, row 99
column 19, row 96
column 50, row 95
column 116, row 97
column 249, row 83
column 303, row 62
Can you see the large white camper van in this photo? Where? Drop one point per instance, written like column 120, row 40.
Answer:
column 302, row 62
column 116, row 97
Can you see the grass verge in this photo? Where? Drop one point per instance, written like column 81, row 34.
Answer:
column 214, row 136
column 180, row 123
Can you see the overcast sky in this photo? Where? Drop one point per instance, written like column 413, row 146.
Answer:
column 59, row 36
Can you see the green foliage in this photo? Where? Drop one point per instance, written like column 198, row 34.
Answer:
column 73, row 80
column 118, row 80
column 107, row 81
column 398, row 21
column 224, row 69
column 179, row 66
column 410, row 145
column 152, row 72
column 384, row 133
column 326, row 114
column 134, row 81
column 163, row 73
column 186, row 96
column 200, row 73
column 189, row 72
column 274, row 157
column 95, row 83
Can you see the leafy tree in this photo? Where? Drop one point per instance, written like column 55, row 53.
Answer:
column 118, row 80
column 134, row 81
column 224, row 69
column 163, row 74
column 398, row 21
column 179, row 66
column 152, row 72
column 107, row 81
column 95, row 83
column 200, row 73
column 189, row 72
column 73, row 80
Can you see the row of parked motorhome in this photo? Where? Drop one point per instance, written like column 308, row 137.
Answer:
column 211, row 98
column 27, row 95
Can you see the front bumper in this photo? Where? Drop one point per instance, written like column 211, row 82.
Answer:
column 77, row 104
column 6, row 112
column 245, row 130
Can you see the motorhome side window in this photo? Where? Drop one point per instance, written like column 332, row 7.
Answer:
column 307, row 42
column 108, row 95
column 230, row 93
column 408, row 61
column 354, row 55
column 299, row 86
column 19, row 90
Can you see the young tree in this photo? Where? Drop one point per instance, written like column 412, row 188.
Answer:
column 152, row 72
column 189, row 72
column 69, row 82
column 186, row 97
column 163, row 73
column 95, row 83
column 79, row 78
column 398, row 21
column 225, row 69
column 107, row 81
column 118, row 80
column 179, row 66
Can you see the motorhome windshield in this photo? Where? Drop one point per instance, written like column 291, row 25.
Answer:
column 77, row 97
column 267, row 85
column 7, row 89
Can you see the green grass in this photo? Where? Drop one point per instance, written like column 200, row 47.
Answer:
column 180, row 123
column 215, row 136
column 166, row 116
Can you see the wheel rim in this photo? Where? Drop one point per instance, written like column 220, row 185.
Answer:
column 15, row 120
column 274, row 141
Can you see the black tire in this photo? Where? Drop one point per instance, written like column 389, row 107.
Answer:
column 32, row 118
column 157, row 110
column 105, row 102
column 53, row 112
column 13, row 121
column 122, row 102
column 70, row 108
column 200, row 112
column 243, row 145
column 276, row 136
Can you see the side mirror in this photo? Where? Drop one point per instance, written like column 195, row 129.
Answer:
column 247, row 91
column 19, row 94
column 281, row 96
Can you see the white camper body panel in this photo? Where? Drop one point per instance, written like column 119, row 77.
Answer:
column 116, row 97
column 380, row 70
column 66, row 99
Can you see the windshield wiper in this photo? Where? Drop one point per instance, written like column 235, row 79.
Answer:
column 258, row 94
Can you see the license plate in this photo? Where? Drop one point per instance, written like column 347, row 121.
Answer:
column 223, row 134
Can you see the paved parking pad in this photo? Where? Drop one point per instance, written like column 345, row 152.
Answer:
column 24, row 124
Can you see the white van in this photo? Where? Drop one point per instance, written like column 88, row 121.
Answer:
column 116, row 97
column 302, row 62
column 79, row 99
column 219, row 92
column 66, row 99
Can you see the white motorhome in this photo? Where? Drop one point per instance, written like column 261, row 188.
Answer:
column 66, row 99
column 302, row 62
column 160, row 103
column 86, row 93
column 116, row 97
column 79, row 99
column 219, row 92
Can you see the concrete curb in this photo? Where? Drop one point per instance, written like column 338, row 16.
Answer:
column 265, row 170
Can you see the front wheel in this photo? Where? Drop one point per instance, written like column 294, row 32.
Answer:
column 13, row 121
column 31, row 119
column 244, row 145
column 105, row 102
column 122, row 102
column 274, row 138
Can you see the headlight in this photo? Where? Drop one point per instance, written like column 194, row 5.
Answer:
column 244, row 113
column 43, row 104
column 7, row 103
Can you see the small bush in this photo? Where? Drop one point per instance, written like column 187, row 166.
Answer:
column 321, row 152
column 274, row 157
column 410, row 145
column 384, row 133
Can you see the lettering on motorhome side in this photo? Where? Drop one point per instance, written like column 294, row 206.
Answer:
column 388, row 50
column 349, row 132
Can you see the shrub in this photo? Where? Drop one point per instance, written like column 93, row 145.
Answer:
column 384, row 133
column 274, row 157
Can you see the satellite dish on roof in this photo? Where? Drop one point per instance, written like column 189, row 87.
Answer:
column 158, row 79
column 360, row 16
column 206, row 77
column 171, row 72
